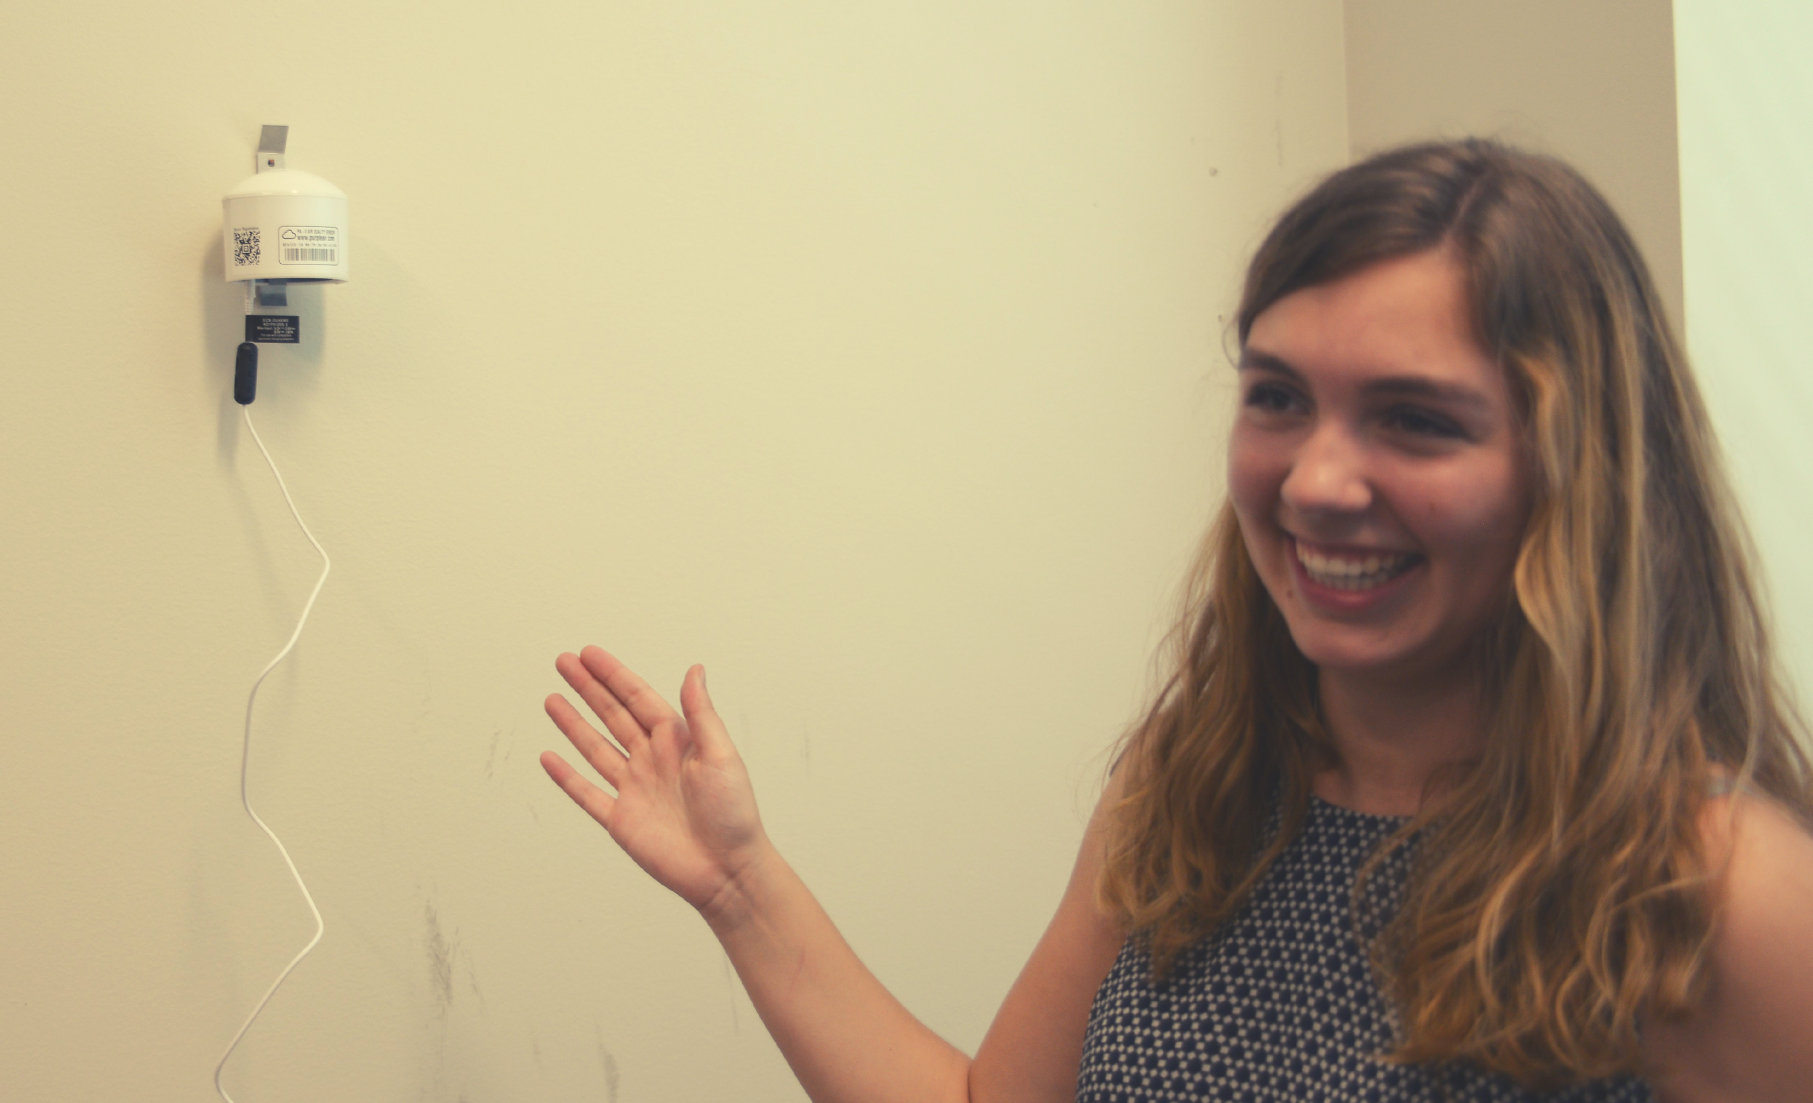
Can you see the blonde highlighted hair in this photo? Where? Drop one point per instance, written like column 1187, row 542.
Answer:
column 1559, row 891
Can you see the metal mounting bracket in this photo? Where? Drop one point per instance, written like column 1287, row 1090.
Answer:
column 271, row 141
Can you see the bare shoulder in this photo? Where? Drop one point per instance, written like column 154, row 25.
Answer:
column 1752, row 1038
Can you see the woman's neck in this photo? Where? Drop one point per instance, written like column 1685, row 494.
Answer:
column 1391, row 737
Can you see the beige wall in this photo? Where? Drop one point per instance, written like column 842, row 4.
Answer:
column 1590, row 81
column 1746, row 173
column 868, row 353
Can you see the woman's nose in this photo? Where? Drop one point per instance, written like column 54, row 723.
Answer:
column 1328, row 475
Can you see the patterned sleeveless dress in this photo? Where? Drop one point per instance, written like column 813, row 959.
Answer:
column 1280, row 1006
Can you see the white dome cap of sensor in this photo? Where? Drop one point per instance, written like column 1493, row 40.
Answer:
column 282, row 223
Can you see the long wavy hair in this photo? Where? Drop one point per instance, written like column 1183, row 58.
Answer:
column 1559, row 887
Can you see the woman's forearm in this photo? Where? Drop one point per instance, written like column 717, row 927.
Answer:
column 684, row 810
column 845, row 1036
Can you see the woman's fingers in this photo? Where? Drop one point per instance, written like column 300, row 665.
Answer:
column 617, row 719
column 643, row 703
column 596, row 802
column 640, row 720
column 701, row 717
column 599, row 751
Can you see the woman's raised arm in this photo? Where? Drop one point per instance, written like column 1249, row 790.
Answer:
column 684, row 811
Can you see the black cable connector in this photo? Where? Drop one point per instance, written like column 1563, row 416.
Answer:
column 245, row 374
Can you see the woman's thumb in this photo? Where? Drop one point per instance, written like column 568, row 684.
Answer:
column 695, row 702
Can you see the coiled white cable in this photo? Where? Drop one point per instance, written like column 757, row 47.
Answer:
column 246, row 759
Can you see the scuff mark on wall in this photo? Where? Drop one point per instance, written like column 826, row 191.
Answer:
column 472, row 983
column 440, row 949
column 610, row 1067
column 440, row 958
column 492, row 761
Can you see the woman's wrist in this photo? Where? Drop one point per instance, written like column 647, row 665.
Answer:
column 740, row 898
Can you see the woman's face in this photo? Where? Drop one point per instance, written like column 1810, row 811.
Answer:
column 1377, row 470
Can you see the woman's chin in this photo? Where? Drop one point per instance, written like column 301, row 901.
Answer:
column 1340, row 651
column 1381, row 661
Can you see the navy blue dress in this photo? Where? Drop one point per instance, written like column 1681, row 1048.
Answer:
column 1280, row 1006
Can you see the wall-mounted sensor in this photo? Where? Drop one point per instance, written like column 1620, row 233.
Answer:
column 282, row 226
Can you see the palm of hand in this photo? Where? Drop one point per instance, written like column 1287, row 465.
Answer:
column 685, row 818
column 684, row 810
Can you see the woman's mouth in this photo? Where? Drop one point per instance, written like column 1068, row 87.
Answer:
column 1351, row 570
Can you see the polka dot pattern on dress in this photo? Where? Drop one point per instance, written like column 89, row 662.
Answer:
column 1280, row 1006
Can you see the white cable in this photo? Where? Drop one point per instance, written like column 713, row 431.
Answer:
column 246, row 759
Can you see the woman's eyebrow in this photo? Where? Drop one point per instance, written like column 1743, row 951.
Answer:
column 1264, row 361
column 1420, row 386
column 1406, row 386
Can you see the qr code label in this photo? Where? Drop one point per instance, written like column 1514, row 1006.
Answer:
column 245, row 246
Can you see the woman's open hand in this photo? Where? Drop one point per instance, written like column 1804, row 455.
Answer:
column 684, row 810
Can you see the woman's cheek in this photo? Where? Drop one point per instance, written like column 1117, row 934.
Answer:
column 1254, row 474
column 1480, row 511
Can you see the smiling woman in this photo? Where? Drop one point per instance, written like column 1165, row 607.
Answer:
column 1479, row 572
column 1472, row 779
column 1378, row 472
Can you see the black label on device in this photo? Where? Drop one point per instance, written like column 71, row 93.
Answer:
column 273, row 329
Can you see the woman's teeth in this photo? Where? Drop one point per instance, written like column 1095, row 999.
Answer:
column 1349, row 572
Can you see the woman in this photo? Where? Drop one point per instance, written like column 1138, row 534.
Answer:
column 1473, row 779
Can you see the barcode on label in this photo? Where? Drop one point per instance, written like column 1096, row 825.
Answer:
column 308, row 256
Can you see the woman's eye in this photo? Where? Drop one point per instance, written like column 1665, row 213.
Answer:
column 1270, row 397
column 1423, row 423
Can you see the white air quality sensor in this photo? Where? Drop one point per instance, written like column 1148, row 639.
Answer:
column 281, row 226
column 284, row 225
